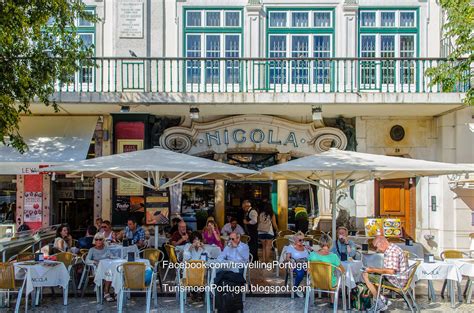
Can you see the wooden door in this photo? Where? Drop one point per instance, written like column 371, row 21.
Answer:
column 396, row 198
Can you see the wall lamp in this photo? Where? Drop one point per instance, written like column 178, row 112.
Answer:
column 317, row 113
column 124, row 109
column 194, row 113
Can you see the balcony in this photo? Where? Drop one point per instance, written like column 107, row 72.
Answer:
column 263, row 75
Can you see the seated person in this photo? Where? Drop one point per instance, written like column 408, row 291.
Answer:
column 134, row 232
column 298, row 253
column 232, row 226
column 174, row 226
column 63, row 240
column 235, row 250
column 394, row 262
column 211, row 234
column 192, row 251
column 109, row 234
column 86, row 242
column 343, row 247
column 325, row 255
column 97, row 253
column 181, row 236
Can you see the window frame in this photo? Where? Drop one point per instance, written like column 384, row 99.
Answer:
column 291, row 19
column 187, row 20
column 331, row 22
column 225, row 18
column 287, row 19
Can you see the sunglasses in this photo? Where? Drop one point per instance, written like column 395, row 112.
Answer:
column 233, row 238
column 298, row 240
column 99, row 239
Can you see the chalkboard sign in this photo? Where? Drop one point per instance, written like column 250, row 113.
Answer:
column 157, row 208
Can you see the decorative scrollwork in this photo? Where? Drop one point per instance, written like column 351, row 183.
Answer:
column 177, row 142
column 328, row 137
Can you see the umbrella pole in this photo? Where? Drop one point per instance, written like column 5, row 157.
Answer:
column 157, row 233
column 333, row 203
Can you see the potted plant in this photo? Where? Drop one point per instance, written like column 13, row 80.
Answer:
column 301, row 219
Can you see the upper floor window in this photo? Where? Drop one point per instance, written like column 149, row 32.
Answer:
column 322, row 19
column 213, row 18
column 367, row 19
column 278, row 19
column 84, row 23
column 300, row 19
column 388, row 18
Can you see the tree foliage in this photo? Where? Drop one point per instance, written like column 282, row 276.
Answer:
column 38, row 47
column 456, row 74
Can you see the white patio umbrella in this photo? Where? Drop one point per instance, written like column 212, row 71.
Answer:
column 144, row 165
column 349, row 168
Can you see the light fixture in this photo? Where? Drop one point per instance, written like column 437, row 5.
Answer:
column 124, row 109
column 194, row 113
column 410, row 181
column 317, row 113
column 53, row 176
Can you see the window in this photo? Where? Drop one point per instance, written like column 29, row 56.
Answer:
column 407, row 19
column 407, row 67
column 299, row 19
column 213, row 19
column 387, row 19
column 232, row 19
column 387, row 50
column 232, row 50
column 367, row 19
column 277, row 68
column 299, row 49
column 321, row 49
column 193, row 19
column 322, row 19
column 84, row 23
column 193, row 50
column 278, row 19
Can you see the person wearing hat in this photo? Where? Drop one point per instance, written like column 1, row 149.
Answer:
column 97, row 253
column 343, row 247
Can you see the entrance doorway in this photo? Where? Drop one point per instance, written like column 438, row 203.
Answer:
column 396, row 198
column 236, row 192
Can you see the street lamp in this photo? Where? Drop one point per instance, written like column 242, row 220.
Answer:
column 194, row 113
column 317, row 113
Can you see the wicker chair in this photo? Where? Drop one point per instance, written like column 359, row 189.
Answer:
column 8, row 285
column 406, row 291
column 155, row 257
column 278, row 245
column 171, row 251
column 286, row 232
column 454, row 254
column 193, row 276
column 245, row 238
column 69, row 260
column 25, row 256
column 320, row 279
column 133, row 275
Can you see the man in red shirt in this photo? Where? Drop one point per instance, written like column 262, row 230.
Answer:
column 181, row 236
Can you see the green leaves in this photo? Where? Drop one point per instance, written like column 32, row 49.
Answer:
column 456, row 74
column 39, row 47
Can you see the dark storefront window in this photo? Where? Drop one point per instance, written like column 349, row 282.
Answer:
column 197, row 202
column 7, row 198
column 299, row 195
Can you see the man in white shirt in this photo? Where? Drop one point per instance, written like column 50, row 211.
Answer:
column 233, row 226
column 235, row 250
column 251, row 227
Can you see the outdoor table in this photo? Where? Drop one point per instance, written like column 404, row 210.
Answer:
column 360, row 240
column 212, row 251
column 119, row 251
column 439, row 270
column 107, row 270
column 43, row 274
column 161, row 241
column 466, row 268
column 416, row 248
column 372, row 259
column 352, row 276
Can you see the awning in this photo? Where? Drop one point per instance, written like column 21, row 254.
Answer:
column 50, row 140
column 21, row 168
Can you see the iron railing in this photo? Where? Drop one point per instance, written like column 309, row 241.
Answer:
column 204, row 75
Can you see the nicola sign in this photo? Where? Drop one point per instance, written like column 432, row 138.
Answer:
column 255, row 133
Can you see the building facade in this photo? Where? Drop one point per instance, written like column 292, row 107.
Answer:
column 256, row 83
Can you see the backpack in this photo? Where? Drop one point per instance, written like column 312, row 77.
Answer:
column 360, row 297
column 264, row 223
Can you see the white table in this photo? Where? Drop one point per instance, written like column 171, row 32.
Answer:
column 353, row 272
column 466, row 268
column 43, row 274
column 438, row 270
column 212, row 251
column 120, row 251
column 360, row 240
column 372, row 259
column 416, row 248
column 107, row 270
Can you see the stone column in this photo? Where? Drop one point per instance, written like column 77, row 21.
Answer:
column 219, row 194
column 106, row 183
column 348, row 40
column 282, row 190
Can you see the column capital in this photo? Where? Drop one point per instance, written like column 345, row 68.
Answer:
column 350, row 6
column 220, row 157
column 283, row 157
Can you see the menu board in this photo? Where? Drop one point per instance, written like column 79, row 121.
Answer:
column 32, row 207
column 373, row 226
column 126, row 187
column 392, row 227
column 158, row 208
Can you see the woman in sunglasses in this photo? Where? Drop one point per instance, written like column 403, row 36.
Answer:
column 97, row 253
column 297, row 254
column 106, row 229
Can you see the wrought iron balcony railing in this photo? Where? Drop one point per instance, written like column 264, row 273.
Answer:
column 256, row 75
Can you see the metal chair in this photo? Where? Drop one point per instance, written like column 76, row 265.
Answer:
column 406, row 291
column 286, row 232
column 133, row 277
column 454, row 254
column 193, row 276
column 69, row 260
column 245, row 238
column 278, row 245
column 155, row 257
column 8, row 285
column 171, row 251
column 320, row 279
column 25, row 256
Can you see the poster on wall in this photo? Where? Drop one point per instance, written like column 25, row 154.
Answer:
column 392, row 227
column 158, row 208
column 33, row 207
column 373, row 226
column 126, row 187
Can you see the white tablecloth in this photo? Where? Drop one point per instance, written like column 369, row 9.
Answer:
column 107, row 270
column 465, row 266
column 359, row 240
column 122, row 252
column 372, row 259
column 416, row 249
column 439, row 270
column 353, row 272
column 42, row 274
column 213, row 251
